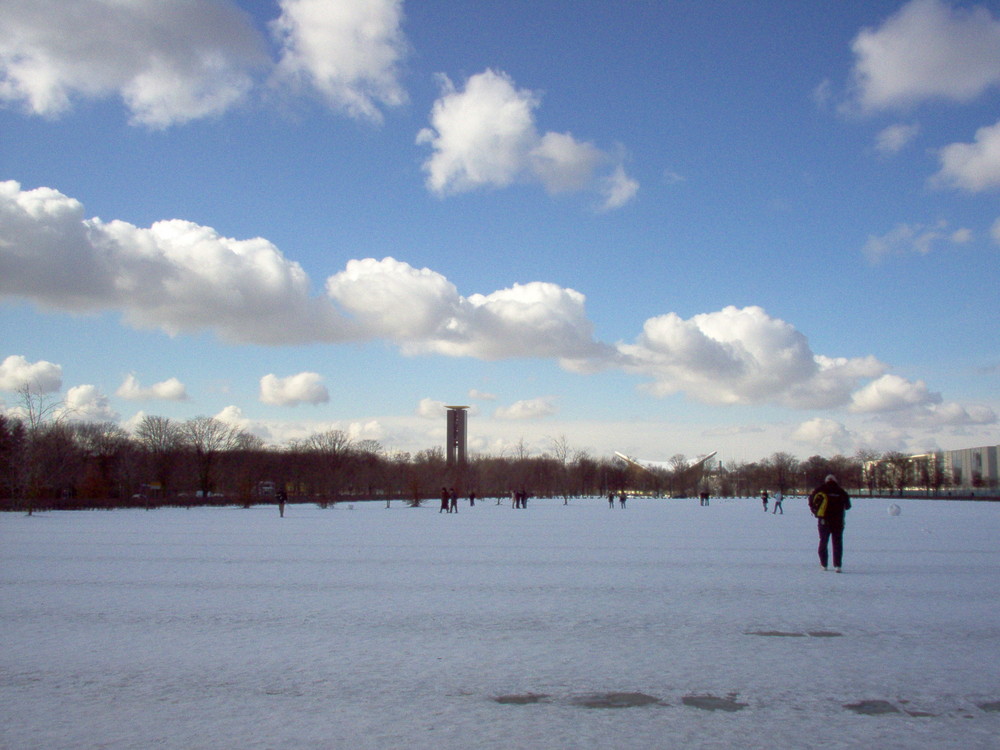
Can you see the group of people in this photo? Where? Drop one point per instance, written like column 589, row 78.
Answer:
column 829, row 503
column 779, row 498
column 622, row 497
column 449, row 500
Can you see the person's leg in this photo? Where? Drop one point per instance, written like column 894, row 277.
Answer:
column 838, row 546
column 824, row 538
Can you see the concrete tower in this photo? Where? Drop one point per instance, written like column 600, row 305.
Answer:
column 456, row 435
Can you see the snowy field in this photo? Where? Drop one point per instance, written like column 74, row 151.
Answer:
column 665, row 625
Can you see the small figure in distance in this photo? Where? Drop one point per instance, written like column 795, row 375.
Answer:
column 444, row 500
column 829, row 503
column 779, row 498
column 763, row 499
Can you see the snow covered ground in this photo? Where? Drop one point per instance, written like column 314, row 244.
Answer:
column 663, row 625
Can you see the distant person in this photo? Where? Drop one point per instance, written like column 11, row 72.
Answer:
column 445, row 501
column 704, row 497
column 779, row 498
column 763, row 499
column 829, row 503
column 611, row 500
column 621, row 499
column 472, row 499
column 282, row 497
column 453, row 501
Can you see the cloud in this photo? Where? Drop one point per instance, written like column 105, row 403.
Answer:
column 912, row 403
column 481, row 395
column 349, row 51
column 618, row 189
column 233, row 415
column 485, row 136
column 973, row 167
column 171, row 389
column 951, row 414
column 740, row 356
column 304, row 388
column 175, row 276
column 85, row 403
column 180, row 277
column 422, row 311
column 430, row 409
column 168, row 62
column 928, row 49
column 905, row 239
column 895, row 138
column 892, row 393
column 42, row 377
column 823, row 434
column 535, row 408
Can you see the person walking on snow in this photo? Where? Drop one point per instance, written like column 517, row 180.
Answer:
column 829, row 503
column 779, row 498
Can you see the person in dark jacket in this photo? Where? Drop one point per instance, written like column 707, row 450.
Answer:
column 829, row 503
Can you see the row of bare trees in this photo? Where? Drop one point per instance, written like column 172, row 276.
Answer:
column 51, row 462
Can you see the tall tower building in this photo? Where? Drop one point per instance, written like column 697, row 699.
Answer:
column 456, row 434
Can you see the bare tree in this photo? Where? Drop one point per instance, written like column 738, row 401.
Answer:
column 208, row 437
column 161, row 439
column 104, row 446
column 898, row 466
column 329, row 451
column 783, row 470
column 40, row 408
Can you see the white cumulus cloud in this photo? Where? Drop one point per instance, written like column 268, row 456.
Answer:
column 822, row 434
column 428, row 408
column 303, row 388
column 41, row 377
column 928, row 49
column 534, row 408
column 175, row 275
column 171, row 389
column 423, row 312
column 973, row 167
column 618, row 189
column 485, row 136
column 85, row 403
column 740, row 356
column 349, row 50
column 891, row 393
column 169, row 62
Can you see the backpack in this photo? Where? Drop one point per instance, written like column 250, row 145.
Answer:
column 817, row 503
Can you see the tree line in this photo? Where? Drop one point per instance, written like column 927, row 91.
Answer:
column 48, row 462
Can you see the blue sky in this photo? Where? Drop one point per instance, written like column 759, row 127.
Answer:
column 655, row 227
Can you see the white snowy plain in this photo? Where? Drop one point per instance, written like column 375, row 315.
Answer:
column 664, row 625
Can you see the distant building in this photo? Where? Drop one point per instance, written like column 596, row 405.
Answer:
column 972, row 467
column 456, row 440
column 966, row 469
